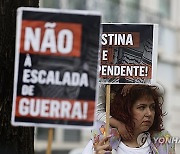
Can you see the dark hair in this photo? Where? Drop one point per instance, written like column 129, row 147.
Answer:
column 127, row 95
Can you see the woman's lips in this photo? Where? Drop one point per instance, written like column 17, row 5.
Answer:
column 148, row 122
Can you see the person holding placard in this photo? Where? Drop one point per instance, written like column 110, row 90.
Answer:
column 139, row 107
column 101, row 114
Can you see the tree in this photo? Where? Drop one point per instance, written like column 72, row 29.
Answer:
column 13, row 140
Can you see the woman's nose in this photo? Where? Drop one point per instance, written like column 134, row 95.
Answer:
column 148, row 112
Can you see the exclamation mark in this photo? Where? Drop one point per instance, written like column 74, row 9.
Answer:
column 146, row 71
column 85, row 109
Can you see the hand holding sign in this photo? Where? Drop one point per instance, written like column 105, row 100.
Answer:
column 127, row 56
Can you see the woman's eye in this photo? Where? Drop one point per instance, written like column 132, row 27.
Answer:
column 141, row 107
column 153, row 107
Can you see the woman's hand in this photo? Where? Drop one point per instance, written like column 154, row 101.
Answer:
column 124, row 133
column 103, row 147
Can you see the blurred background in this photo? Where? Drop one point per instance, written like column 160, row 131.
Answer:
column 163, row 12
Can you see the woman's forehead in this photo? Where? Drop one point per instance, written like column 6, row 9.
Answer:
column 145, row 100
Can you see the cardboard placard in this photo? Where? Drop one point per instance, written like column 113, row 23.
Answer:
column 129, row 53
column 55, row 67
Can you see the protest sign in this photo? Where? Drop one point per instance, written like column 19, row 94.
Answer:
column 55, row 67
column 128, row 56
column 129, row 53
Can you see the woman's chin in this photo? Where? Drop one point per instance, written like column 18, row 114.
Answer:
column 145, row 128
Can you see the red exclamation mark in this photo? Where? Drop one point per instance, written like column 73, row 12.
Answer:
column 85, row 109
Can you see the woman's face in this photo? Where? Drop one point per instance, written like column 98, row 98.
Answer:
column 143, row 114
